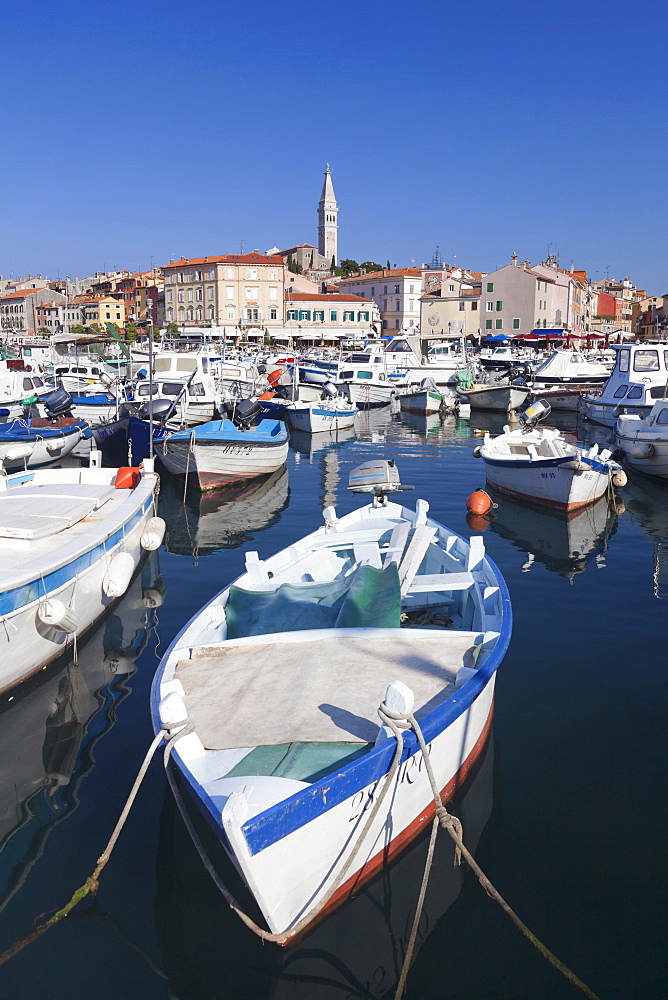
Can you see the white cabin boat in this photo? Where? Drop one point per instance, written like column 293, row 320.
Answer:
column 287, row 758
column 326, row 414
column 638, row 379
column 71, row 540
column 566, row 368
column 644, row 440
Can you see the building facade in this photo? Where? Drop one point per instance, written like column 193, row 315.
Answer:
column 328, row 226
column 453, row 309
column 396, row 292
column 329, row 317
column 18, row 309
column 515, row 299
column 239, row 291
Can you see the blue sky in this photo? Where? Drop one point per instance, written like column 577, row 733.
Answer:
column 134, row 133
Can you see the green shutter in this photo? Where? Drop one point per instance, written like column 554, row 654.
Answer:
column 490, row 286
column 499, row 305
column 488, row 324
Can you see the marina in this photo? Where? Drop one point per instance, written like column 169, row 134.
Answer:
column 160, row 927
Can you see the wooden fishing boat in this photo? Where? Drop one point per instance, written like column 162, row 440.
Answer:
column 71, row 540
column 326, row 414
column 284, row 768
column 226, row 451
column 543, row 467
column 425, row 399
column 39, row 441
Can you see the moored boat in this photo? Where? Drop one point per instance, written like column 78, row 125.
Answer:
column 291, row 780
column 331, row 413
column 638, row 379
column 498, row 397
column 425, row 399
column 644, row 441
column 543, row 467
column 71, row 540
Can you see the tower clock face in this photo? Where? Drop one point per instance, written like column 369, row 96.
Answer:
column 434, row 319
column 433, row 279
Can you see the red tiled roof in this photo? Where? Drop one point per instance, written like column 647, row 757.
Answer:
column 400, row 272
column 293, row 296
column 230, row 258
column 21, row 293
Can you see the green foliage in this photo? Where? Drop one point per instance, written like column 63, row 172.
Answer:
column 130, row 331
column 77, row 328
column 388, row 265
column 349, row 266
column 293, row 265
column 44, row 329
column 369, row 266
column 172, row 328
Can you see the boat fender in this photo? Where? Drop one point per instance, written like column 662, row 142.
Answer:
column 479, row 502
column 18, row 451
column 119, row 573
column 127, row 477
column 152, row 597
column 153, row 534
column 274, row 376
column 266, row 395
column 57, row 615
column 477, row 451
column 619, row 478
column 55, row 444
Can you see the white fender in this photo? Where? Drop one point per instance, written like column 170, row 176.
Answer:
column 57, row 615
column 18, row 451
column 619, row 478
column 117, row 578
column 153, row 534
column 55, row 444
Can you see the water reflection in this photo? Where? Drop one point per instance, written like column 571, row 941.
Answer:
column 53, row 724
column 646, row 503
column 357, row 952
column 224, row 519
column 435, row 427
column 565, row 545
column 313, row 444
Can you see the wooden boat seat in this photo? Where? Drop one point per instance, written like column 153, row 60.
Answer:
column 33, row 512
column 319, row 686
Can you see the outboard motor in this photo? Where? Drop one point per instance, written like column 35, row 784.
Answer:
column 57, row 403
column 538, row 410
column 428, row 383
column 245, row 411
column 329, row 390
column 161, row 409
column 378, row 477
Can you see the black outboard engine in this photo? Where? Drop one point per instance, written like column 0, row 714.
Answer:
column 244, row 412
column 161, row 410
column 57, row 403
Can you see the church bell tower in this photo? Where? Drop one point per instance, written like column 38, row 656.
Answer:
column 327, row 224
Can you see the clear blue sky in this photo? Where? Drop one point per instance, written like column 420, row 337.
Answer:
column 136, row 132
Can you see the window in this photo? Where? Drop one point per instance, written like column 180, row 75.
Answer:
column 474, row 307
column 251, row 294
column 229, row 292
column 384, row 289
column 623, row 389
column 361, row 375
column 212, row 275
column 199, row 295
column 490, row 286
column 646, row 361
column 397, row 289
column 229, row 273
column 624, row 361
column 516, row 324
column 499, row 324
column 272, row 274
column 169, row 295
column 273, row 314
column 362, row 317
column 451, row 288
column 318, row 315
column 489, row 306
column 211, row 312
column 635, row 392
column 411, row 289
column 384, row 305
column 396, row 326
column 398, row 309
column 190, row 295
column 499, row 305
column 305, row 314
column 333, row 315
column 273, row 294
column 211, row 293
column 662, row 417
column 488, row 324
column 230, row 312
column 251, row 274
column 196, row 389
column 462, row 307
column 373, row 291
column 348, row 316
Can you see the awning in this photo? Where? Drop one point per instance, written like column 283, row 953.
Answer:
column 82, row 338
column 541, row 335
column 497, row 338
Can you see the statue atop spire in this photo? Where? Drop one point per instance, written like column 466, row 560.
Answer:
column 327, row 220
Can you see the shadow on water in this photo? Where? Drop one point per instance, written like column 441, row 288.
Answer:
column 356, row 952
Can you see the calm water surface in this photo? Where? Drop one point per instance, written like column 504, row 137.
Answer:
column 566, row 810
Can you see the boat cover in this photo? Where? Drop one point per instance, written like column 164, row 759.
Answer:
column 368, row 597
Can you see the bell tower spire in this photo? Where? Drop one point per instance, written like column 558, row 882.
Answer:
column 327, row 216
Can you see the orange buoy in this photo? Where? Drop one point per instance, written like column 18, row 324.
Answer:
column 478, row 522
column 127, row 477
column 479, row 502
column 274, row 376
column 266, row 395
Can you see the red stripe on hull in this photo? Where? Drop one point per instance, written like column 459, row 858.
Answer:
column 373, row 866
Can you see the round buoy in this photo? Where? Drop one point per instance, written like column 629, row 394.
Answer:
column 478, row 522
column 619, row 478
column 477, row 451
column 479, row 502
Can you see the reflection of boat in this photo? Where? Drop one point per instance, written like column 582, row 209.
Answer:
column 224, row 519
column 646, row 503
column 53, row 724
column 356, row 952
column 310, row 444
column 563, row 544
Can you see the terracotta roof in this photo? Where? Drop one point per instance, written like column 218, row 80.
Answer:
column 400, row 272
column 294, row 296
column 21, row 293
column 302, row 246
column 230, row 258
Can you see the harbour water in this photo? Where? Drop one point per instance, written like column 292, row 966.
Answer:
column 566, row 810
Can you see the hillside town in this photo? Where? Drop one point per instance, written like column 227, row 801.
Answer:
column 300, row 295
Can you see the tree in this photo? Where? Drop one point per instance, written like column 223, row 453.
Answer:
column 349, row 266
column 311, row 263
column 172, row 328
column 77, row 329
column 44, row 329
column 293, row 265
column 388, row 265
column 370, row 266
column 130, row 331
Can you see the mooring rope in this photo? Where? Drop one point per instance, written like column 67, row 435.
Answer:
column 398, row 723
